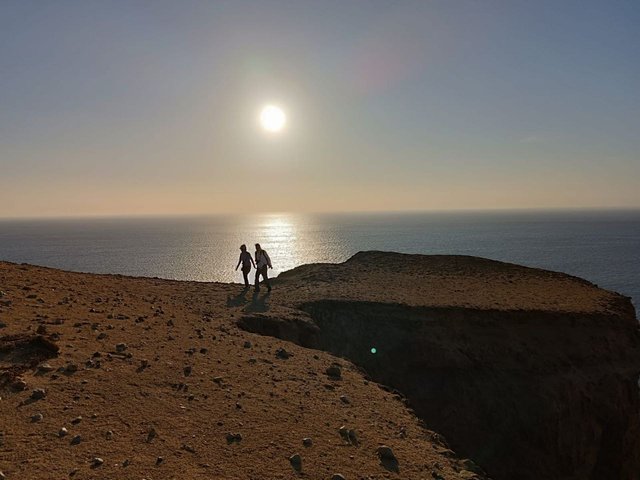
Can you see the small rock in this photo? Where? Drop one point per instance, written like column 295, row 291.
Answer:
column 218, row 380
column 41, row 330
column 97, row 461
column 307, row 442
column 121, row 347
column 63, row 432
column 344, row 399
column 296, row 462
column 71, row 368
column 19, row 385
column 109, row 435
column 344, row 433
column 188, row 448
column 102, row 335
column 353, row 438
column 337, row 476
column 334, row 372
column 247, row 344
column 45, row 368
column 76, row 440
column 159, row 460
column 151, row 435
column 233, row 437
column 283, row 354
column 37, row 417
column 385, row 453
column 187, row 370
column 38, row 394
column 203, row 350
column 2, row 476
column 76, row 420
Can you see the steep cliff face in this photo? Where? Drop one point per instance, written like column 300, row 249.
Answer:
column 534, row 387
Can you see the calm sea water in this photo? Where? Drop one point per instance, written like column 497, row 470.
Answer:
column 601, row 246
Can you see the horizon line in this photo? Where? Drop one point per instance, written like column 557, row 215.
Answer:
column 350, row 212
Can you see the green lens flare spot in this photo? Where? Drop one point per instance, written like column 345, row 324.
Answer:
column 374, row 350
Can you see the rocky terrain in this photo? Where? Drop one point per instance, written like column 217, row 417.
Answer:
column 386, row 366
column 108, row 377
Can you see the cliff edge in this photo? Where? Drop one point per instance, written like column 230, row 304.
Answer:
column 533, row 374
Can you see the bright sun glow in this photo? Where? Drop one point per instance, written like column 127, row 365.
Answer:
column 272, row 118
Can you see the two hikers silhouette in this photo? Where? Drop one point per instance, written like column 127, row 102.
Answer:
column 262, row 264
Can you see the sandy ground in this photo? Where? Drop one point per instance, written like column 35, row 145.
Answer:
column 446, row 281
column 168, row 402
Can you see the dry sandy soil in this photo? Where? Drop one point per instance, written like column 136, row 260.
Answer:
column 163, row 405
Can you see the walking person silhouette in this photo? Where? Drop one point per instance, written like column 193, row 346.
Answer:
column 263, row 263
column 246, row 260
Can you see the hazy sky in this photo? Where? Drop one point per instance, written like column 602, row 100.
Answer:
column 136, row 107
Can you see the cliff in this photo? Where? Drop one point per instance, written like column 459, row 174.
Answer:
column 104, row 376
column 533, row 374
column 437, row 359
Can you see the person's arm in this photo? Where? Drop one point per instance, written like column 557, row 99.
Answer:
column 266, row 255
column 239, row 262
column 252, row 262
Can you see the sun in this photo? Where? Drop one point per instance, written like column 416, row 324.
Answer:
column 272, row 118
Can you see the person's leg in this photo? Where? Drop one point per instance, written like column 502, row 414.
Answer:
column 245, row 274
column 265, row 275
column 257, row 282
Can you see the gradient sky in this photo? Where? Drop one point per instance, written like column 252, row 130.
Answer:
column 145, row 107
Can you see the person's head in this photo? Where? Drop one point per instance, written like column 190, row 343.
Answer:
column 243, row 247
column 258, row 247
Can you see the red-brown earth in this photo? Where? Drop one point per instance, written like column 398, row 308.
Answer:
column 532, row 374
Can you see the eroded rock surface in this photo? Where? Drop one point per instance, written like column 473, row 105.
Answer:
column 533, row 374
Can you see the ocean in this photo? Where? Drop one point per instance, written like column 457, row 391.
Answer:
column 600, row 246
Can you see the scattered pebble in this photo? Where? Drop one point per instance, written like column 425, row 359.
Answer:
column 71, row 368
column 283, row 354
column 97, row 461
column 334, row 372
column 296, row 462
column 307, row 442
column 151, row 435
column 76, row 440
column 121, row 347
column 234, row 437
column 19, row 385
column 385, row 453
column 188, row 448
column 38, row 394
column 37, row 417
column 337, row 476
column 45, row 368
column 63, row 432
